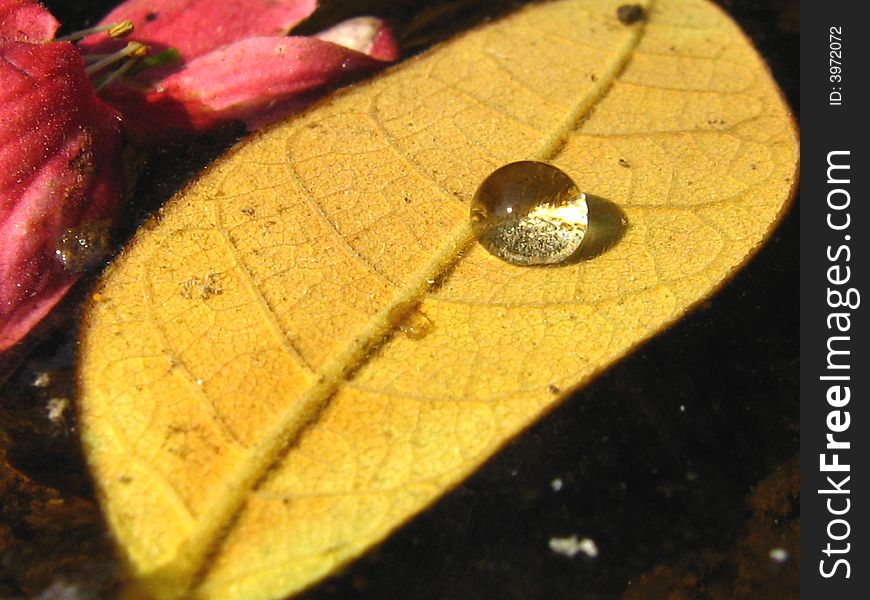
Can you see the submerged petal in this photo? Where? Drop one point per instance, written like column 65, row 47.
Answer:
column 60, row 170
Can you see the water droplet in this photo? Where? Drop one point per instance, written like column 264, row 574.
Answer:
column 84, row 248
column 410, row 320
column 416, row 325
column 529, row 213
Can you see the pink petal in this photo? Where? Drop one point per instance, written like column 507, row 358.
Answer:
column 257, row 80
column 59, row 170
column 25, row 21
column 363, row 34
column 195, row 27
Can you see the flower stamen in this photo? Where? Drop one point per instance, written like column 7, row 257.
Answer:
column 92, row 58
column 133, row 50
column 116, row 73
column 136, row 59
column 114, row 30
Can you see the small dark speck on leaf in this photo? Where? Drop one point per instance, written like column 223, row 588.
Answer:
column 151, row 16
column 248, row 210
column 630, row 14
column 624, row 163
column 553, row 389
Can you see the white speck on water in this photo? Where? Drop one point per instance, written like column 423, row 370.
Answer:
column 682, row 408
column 55, row 409
column 779, row 555
column 556, row 484
column 571, row 546
column 42, row 379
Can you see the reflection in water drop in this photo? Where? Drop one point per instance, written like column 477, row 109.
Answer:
column 529, row 213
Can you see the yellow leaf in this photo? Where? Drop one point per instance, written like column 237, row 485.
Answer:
column 309, row 348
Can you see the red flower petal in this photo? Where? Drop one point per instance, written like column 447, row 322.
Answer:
column 25, row 21
column 257, row 80
column 195, row 27
column 59, row 170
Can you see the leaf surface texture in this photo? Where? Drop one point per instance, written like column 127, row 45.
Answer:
column 257, row 404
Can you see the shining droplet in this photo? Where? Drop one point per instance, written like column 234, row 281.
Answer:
column 84, row 248
column 416, row 325
column 529, row 213
column 410, row 320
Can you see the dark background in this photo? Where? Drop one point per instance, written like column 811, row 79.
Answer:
column 680, row 462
